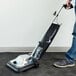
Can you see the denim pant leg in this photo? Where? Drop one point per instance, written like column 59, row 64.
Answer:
column 71, row 54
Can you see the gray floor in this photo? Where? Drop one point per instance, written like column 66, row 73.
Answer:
column 45, row 69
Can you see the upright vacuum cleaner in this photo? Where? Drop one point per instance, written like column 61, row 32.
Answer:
column 27, row 61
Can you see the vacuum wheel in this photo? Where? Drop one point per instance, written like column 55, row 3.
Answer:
column 36, row 63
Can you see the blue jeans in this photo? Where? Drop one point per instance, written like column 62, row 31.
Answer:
column 71, row 54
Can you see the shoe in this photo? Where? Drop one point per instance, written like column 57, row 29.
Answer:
column 64, row 63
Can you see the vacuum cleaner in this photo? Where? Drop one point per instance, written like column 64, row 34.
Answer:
column 27, row 61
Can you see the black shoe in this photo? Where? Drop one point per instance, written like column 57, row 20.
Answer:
column 64, row 63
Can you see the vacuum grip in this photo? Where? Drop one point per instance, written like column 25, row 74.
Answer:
column 65, row 6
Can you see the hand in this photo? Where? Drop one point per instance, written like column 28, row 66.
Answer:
column 68, row 3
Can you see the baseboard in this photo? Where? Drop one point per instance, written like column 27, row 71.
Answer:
column 30, row 49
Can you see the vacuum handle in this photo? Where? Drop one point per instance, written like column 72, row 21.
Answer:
column 57, row 14
column 65, row 6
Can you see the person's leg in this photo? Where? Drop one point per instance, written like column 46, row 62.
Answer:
column 71, row 54
column 69, row 57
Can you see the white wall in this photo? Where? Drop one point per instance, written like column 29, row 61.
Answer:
column 24, row 22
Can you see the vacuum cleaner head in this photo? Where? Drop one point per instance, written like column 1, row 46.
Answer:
column 22, row 63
